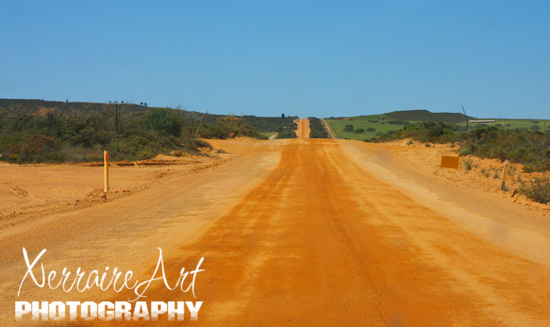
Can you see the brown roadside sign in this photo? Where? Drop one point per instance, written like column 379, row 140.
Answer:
column 449, row 162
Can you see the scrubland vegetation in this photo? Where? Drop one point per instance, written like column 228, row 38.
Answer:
column 285, row 127
column 537, row 189
column 31, row 133
column 317, row 128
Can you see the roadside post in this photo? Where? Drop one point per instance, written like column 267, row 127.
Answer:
column 504, row 174
column 106, row 171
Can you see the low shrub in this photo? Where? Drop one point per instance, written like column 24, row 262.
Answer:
column 468, row 163
column 348, row 128
column 537, row 189
column 464, row 152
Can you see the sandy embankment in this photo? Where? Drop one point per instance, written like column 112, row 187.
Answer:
column 484, row 174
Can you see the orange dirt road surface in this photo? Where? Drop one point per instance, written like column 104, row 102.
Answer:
column 303, row 129
column 299, row 232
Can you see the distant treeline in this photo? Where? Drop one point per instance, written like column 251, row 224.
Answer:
column 285, row 127
column 46, row 131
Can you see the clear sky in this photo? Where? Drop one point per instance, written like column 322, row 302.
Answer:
column 306, row 58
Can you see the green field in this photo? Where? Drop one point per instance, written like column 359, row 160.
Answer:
column 361, row 122
column 386, row 122
column 524, row 123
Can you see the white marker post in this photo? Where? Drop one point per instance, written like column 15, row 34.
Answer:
column 106, row 165
column 504, row 174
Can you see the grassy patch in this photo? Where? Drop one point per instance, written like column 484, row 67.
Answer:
column 468, row 163
column 364, row 127
column 523, row 124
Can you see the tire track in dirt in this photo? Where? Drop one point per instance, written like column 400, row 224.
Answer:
column 329, row 130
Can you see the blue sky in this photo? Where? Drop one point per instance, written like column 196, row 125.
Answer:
column 306, row 58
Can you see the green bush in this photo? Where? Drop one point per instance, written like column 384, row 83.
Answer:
column 538, row 189
column 348, row 128
column 468, row 163
column 164, row 121
column 464, row 152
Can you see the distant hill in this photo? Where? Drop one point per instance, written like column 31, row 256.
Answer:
column 41, row 107
column 283, row 126
column 425, row 115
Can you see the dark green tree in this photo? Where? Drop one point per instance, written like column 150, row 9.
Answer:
column 164, row 121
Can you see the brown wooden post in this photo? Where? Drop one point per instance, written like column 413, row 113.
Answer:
column 504, row 174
